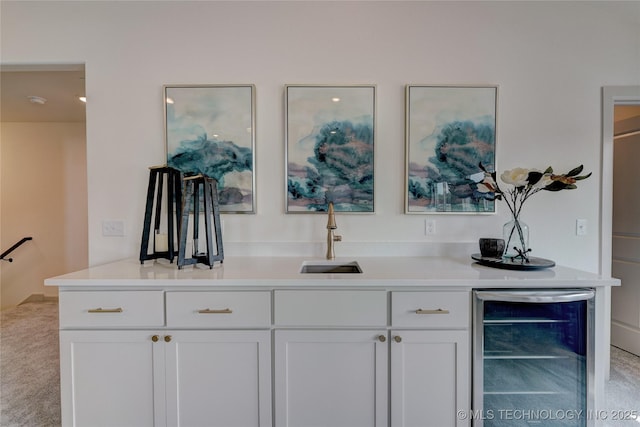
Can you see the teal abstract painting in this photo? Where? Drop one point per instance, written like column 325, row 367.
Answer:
column 450, row 131
column 210, row 130
column 330, row 148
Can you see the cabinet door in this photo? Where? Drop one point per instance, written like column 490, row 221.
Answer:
column 430, row 378
column 218, row 378
column 107, row 379
column 335, row 378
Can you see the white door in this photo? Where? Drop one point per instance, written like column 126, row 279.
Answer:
column 334, row 378
column 430, row 378
column 625, row 299
column 218, row 378
column 107, row 379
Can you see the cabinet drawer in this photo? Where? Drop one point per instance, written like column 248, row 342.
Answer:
column 330, row 308
column 218, row 309
column 430, row 309
column 111, row 309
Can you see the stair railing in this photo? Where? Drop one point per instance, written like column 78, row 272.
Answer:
column 12, row 248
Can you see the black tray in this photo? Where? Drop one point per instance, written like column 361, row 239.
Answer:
column 509, row 264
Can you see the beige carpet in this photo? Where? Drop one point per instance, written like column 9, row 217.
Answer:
column 622, row 391
column 29, row 366
column 30, row 379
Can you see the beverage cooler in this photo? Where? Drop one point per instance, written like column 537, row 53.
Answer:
column 533, row 357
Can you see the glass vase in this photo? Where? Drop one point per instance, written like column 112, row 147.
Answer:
column 516, row 237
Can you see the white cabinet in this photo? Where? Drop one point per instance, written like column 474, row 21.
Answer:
column 332, row 374
column 339, row 357
column 104, row 309
column 331, row 378
column 162, row 376
column 330, row 308
column 184, row 378
column 207, row 310
column 107, row 379
column 431, row 362
column 430, row 378
column 218, row 378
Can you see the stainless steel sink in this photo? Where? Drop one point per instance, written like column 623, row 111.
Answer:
column 331, row 267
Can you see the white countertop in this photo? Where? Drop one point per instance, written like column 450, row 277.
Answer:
column 386, row 272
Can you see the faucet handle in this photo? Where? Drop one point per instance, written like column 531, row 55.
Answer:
column 331, row 222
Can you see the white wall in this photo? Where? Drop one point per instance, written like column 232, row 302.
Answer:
column 44, row 196
column 550, row 60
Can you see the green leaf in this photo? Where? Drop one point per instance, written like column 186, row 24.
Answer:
column 555, row 186
column 534, row 177
column 575, row 171
column 580, row 178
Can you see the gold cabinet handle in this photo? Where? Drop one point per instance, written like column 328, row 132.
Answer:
column 167, row 338
column 437, row 311
column 105, row 310
column 397, row 338
column 155, row 338
column 382, row 338
column 209, row 311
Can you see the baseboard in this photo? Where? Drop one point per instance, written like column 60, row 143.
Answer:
column 39, row 298
column 625, row 337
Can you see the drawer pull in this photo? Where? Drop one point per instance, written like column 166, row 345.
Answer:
column 397, row 338
column 437, row 311
column 382, row 338
column 155, row 338
column 209, row 311
column 105, row 310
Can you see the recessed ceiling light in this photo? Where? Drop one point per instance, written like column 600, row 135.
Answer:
column 83, row 99
column 36, row 99
column 335, row 99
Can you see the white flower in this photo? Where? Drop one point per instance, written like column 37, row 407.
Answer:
column 517, row 177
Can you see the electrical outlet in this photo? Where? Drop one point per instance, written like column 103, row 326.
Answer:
column 429, row 227
column 581, row 227
column 113, row 228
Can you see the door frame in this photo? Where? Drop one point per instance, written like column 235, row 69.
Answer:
column 611, row 96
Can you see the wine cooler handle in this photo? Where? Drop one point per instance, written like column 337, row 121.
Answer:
column 540, row 296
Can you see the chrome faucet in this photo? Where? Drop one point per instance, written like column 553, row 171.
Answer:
column 331, row 237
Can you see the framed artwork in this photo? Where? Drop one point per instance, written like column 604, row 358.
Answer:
column 450, row 130
column 210, row 130
column 330, row 133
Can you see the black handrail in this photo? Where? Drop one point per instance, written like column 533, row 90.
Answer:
column 12, row 248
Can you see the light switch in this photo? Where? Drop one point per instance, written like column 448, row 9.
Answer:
column 581, row 227
column 429, row 227
column 113, row 228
